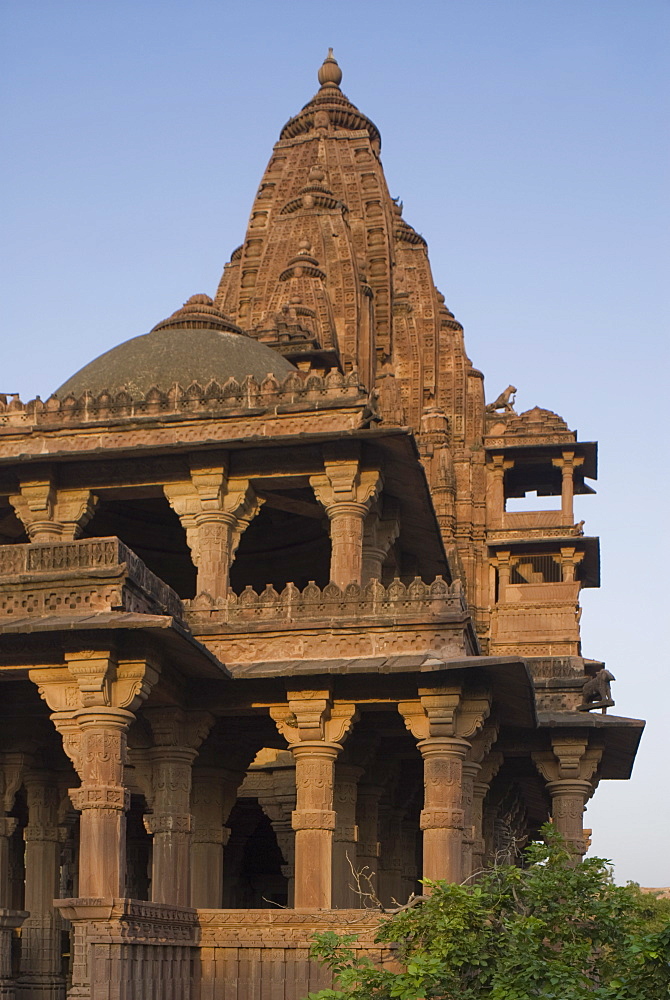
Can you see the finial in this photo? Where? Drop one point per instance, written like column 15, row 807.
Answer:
column 330, row 73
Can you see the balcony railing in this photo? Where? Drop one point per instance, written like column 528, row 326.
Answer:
column 93, row 574
column 398, row 600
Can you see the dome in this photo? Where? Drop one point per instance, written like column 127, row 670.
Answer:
column 197, row 343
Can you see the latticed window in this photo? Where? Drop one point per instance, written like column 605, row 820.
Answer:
column 536, row 569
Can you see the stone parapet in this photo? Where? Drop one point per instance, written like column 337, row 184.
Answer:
column 266, row 952
column 93, row 574
column 418, row 599
column 309, row 391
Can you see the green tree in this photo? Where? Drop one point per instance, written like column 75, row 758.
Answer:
column 551, row 929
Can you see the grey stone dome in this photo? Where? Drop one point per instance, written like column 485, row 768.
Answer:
column 197, row 343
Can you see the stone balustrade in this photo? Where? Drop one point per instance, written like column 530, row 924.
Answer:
column 91, row 574
column 306, row 390
column 258, row 953
column 398, row 600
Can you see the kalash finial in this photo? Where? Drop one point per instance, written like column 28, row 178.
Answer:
column 330, row 73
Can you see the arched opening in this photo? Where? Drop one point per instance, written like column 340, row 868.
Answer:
column 287, row 542
column 153, row 531
column 252, row 875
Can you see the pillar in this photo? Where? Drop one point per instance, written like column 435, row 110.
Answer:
column 569, row 769
column 347, row 494
column 345, row 862
column 480, row 789
column 503, row 561
column 214, row 511
column 40, row 938
column 390, row 880
column 367, row 856
column 177, row 736
column 378, row 537
column 567, row 463
column 495, row 490
column 102, row 800
column 568, row 801
column 470, row 772
column 7, row 828
column 442, row 818
column 214, row 552
column 314, row 823
column 214, row 794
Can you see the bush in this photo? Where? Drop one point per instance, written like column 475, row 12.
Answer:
column 551, row 929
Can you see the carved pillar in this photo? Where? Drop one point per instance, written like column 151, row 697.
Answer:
column 102, row 799
column 95, row 739
column 567, row 464
column 378, row 537
column 314, row 726
column 390, row 880
column 40, row 937
column 177, row 736
column 10, row 920
column 442, row 818
column 568, row 770
column 470, row 772
column 367, row 815
column 503, row 561
column 480, row 789
column 214, row 511
column 314, row 823
column 570, row 559
column 495, row 490
column 7, row 828
column 443, row 719
column 410, row 869
column 214, row 793
column 347, row 493
column 346, row 836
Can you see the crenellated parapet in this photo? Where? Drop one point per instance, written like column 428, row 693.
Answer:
column 304, row 390
column 417, row 599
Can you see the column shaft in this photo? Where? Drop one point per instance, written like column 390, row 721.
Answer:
column 442, row 815
column 102, row 800
column 170, row 824
column 346, row 538
column 40, row 937
column 346, row 835
column 314, row 823
column 367, row 857
column 568, row 798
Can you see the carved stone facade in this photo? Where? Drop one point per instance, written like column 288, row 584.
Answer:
column 273, row 647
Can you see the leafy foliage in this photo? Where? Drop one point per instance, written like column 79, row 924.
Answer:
column 552, row 929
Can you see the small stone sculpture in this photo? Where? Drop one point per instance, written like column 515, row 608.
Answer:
column 504, row 402
column 597, row 693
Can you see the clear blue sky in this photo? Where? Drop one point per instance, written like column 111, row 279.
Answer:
column 528, row 140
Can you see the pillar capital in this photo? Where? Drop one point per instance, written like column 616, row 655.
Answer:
column 446, row 711
column 312, row 716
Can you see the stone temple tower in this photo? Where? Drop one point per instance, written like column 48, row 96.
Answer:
column 268, row 618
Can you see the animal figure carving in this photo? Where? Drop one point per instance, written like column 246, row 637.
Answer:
column 597, row 692
column 504, row 402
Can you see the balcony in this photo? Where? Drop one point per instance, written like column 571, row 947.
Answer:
column 90, row 575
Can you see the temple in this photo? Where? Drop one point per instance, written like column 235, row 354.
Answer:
column 274, row 642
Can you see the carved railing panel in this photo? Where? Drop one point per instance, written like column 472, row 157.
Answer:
column 398, row 600
column 92, row 574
